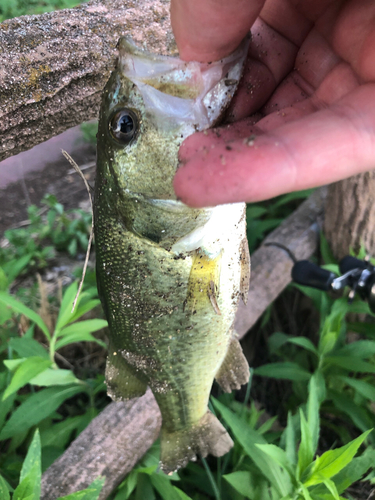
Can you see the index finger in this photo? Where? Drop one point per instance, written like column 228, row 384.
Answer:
column 207, row 30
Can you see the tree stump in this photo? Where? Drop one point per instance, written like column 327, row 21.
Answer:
column 350, row 215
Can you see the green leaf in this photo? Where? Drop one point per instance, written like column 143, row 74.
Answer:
column 4, row 492
column 290, row 440
column 313, row 413
column 351, row 364
column 84, row 308
column 360, row 307
column 331, row 487
column 74, row 337
column 22, row 309
column 13, row 364
column 333, row 268
column 144, row 490
column 17, row 266
column 328, row 341
column 354, row 470
column 358, row 415
column 36, row 408
column 242, row 481
column 249, row 438
column 4, row 283
column 163, row 486
column 364, row 328
column 127, row 487
column 333, row 461
column 325, row 251
column 305, row 343
column 362, row 349
column 53, row 376
column 87, row 326
column 26, row 347
column 305, row 451
column 267, row 425
column 31, row 472
column 278, row 456
column 255, row 211
column 296, row 195
column 305, row 492
column 277, row 340
column 287, row 370
column 320, row 384
column 90, row 493
column 363, row 388
column 182, row 495
column 33, row 457
column 317, row 296
column 25, row 490
column 65, row 314
column 59, row 433
column 25, row 372
column 72, row 247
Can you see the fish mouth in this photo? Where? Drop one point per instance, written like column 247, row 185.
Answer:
column 181, row 93
column 168, row 205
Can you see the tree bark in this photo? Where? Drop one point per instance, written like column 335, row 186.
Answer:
column 110, row 446
column 271, row 266
column 53, row 67
column 350, row 215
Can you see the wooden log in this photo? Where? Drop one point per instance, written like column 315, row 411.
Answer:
column 110, row 446
column 271, row 266
column 54, row 66
column 122, row 433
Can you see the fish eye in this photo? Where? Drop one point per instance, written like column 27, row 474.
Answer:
column 123, row 126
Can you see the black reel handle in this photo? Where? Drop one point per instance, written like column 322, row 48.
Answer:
column 306, row 273
column 349, row 263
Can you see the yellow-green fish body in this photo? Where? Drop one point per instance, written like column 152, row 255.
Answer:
column 169, row 276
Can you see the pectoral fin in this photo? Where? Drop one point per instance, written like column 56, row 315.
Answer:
column 203, row 283
column 234, row 371
column 122, row 383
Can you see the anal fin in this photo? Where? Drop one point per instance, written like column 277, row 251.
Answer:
column 122, row 383
column 234, row 370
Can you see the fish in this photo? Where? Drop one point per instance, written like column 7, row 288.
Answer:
column 169, row 276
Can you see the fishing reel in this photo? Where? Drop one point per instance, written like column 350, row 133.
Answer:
column 359, row 275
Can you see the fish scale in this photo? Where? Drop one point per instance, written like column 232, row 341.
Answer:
column 169, row 276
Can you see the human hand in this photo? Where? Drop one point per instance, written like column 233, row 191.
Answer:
column 304, row 114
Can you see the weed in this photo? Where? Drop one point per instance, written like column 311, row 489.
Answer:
column 32, row 368
column 16, row 8
column 268, row 215
column 29, row 486
column 32, row 247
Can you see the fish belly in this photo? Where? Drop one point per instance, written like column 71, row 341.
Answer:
column 170, row 322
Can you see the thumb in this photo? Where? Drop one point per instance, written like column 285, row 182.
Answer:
column 207, row 30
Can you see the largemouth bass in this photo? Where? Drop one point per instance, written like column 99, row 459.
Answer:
column 169, row 276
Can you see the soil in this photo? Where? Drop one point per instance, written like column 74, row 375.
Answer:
column 54, row 175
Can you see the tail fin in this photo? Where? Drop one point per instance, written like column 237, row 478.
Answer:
column 207, row 436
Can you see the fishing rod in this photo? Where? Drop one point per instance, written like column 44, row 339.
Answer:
column 358, row 275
